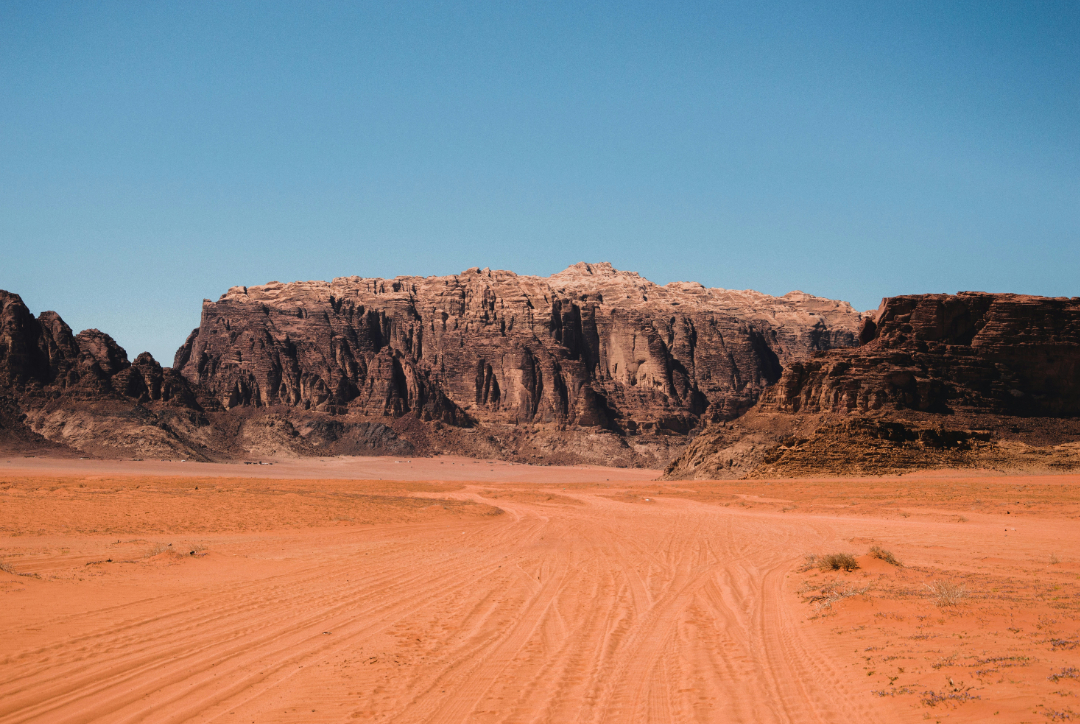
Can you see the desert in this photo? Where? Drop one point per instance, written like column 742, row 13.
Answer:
column 449, row 593
column 320, row 513
column 466, row 362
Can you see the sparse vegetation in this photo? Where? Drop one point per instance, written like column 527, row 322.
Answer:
column 8, row 569
column 884, row 555
column 1070, row 673
column 837, row 562
column 1054, row 560
column 946, row 593
column 826, row 595
column 956, row 696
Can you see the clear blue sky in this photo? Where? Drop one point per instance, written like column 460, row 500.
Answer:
column 155, row 153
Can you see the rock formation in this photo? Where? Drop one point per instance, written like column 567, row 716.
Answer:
column 588, row 365
column 81, row 391
column 998, row 353
column 589, row 347
column 939, row 380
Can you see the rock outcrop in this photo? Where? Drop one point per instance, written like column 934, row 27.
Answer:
column 997, row 353
column 589, row 365
column 966, row 380
column 590, row 347
column 80, row 391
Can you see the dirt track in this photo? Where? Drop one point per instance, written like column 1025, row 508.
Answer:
column 579, row 603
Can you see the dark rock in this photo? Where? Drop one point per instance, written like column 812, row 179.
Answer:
column 998, row 353
column 590, row 347
column 966, row 380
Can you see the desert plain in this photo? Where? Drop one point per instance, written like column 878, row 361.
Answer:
column 448, row 589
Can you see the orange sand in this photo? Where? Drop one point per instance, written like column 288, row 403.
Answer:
column 507, row 593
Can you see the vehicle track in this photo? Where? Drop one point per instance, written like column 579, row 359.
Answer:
column 667, row 611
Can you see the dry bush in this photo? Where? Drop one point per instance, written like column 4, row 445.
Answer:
column 837, row 562
column 946, row 593
column 158, row 549
column 1054, row 560
column 884, row 555
column 809, row 562
column 831, row 592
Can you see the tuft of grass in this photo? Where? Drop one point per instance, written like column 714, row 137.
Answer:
column 158, row 549
column 833, row 591
column 1054, row 560
column 884, row 555
column 946, row 593
column 837, row 562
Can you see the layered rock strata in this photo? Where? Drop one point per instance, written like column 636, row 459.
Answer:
column 590, row 347
column 998, row 353
column 972, row 379
column 589, row 365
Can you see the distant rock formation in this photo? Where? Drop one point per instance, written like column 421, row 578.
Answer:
column 81, row 391
column 589, row 347
column 589, row 365
column 972, row 379
column 999, row 353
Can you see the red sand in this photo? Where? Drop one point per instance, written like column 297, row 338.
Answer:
column 594, row 596
column 443, row 467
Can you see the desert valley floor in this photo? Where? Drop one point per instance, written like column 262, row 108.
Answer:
column 450, row 590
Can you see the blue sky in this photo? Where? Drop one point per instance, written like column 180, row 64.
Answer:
column 153, row 154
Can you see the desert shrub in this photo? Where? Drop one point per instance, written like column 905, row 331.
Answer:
column 884, row 555
column 809, row 562
column 837, row 562
column 825, row 596
column 946, row 593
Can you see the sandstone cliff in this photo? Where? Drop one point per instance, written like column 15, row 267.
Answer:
column 589, row 365
column 971, row 379
column 589, row 347
column 998, row 353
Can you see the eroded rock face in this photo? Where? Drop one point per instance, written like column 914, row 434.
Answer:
column 589, row 347
column 81, row 390
column 995, row 353
column 966, row 380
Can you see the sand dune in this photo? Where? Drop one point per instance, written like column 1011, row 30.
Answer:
column 590, row 601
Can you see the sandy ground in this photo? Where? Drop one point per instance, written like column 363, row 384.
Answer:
column 441, row 467
column 532, row 594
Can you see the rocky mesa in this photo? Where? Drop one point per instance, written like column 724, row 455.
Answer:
column 589, row 347
column 591, row 364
